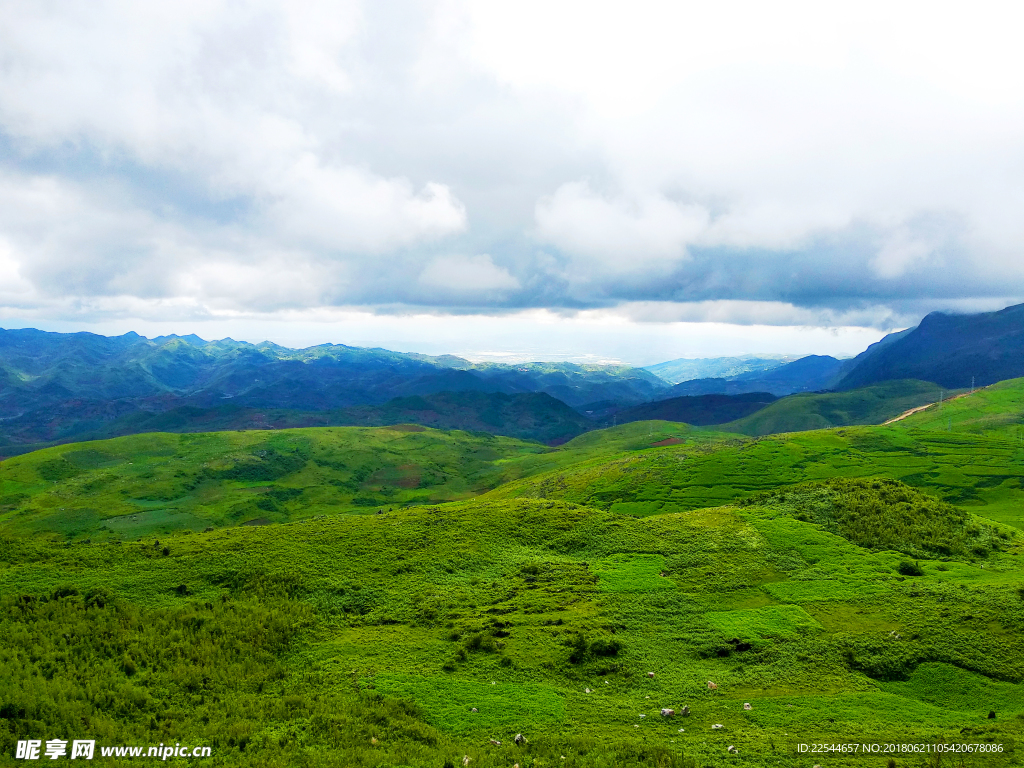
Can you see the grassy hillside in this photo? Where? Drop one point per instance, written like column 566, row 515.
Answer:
column 862, row 584
column 996, row 410
column 869, row 405
column 981, row 473
column 145, row 484
column 425, row 636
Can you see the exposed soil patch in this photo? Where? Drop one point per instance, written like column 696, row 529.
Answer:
column 667, row 441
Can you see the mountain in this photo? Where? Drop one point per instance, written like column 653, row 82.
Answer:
column 65, row 386
column 686, row 369
column 700, row 410
column 808, row 374
column 949, row 350
column 528, row 416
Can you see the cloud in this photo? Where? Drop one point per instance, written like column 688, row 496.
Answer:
column 467, row 275
column 621, row 235
column 798, row 163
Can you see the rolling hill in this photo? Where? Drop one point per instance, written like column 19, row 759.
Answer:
column 528, row 416
column 653, row 594
column 701, row 410
column 615, row 578
column 867, row 405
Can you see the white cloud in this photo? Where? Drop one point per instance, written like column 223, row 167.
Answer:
column 622, row 234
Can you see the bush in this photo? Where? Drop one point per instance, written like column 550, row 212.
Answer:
column 605, row 646
column 885, row 514
column 909, row 568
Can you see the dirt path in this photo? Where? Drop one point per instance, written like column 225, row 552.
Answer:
column 904, row 415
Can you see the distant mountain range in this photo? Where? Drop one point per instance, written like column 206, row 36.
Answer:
column 63, row 387
column 687, row 369
column 808, row 374
column 60, row 387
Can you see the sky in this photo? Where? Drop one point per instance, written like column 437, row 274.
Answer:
column 593, row 181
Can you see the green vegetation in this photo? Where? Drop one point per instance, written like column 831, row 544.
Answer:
column 886, row 514
column 868, row 405
column 862, row 584
column 996, row 411
column 146, row 484
column 980, row 473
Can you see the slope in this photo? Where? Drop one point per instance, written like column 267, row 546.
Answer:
column 701, row 410
column 433, row 636
column 983, row 474
column 868, row 405
column 528, row 416
column 143, row 484
column 996, row 410
column 950, row 350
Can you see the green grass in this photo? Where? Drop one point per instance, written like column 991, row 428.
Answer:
column 995, row 411
column 982, row 474
column 537, row 586
column 773, row 621
column 145, row 484
column 297, row 644
column 867, row 405
column 632, row 573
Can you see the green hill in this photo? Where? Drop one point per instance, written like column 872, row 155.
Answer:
column 979, row 472
column 852, row 585
column 143, row 484
column 528, row 416
column 868, row 405
column 426, row 636
column 996, row 410
column 701, row 410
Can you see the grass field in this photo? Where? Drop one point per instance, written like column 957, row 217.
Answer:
column 867, row 405
column 539, row 587
column 146, row 484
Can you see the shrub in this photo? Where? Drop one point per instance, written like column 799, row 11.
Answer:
column 909, row 568
column 605, row 646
